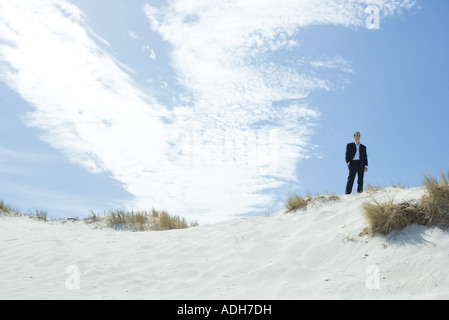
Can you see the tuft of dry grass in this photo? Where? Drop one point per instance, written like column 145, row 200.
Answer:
column 431, row 210
column 167, row 222
column 7, row 209
column 373, row 188
column 436, row 202
column 296, row 202
column 10, row 211
column 40, row 215
column 388, row 216
column 326, row 197
column 144, row 221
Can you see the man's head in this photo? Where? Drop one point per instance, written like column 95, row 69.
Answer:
column 357, row 137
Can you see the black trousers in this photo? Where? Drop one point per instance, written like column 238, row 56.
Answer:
column 355, row 169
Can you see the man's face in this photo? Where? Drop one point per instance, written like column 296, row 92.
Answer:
column 357, row 138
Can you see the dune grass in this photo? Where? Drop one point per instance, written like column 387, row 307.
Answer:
column 431, row 210
column 144, row 221
column 296, row 202
column 10, row 211
column 384, row 217
column 119, row 219
column 6, row 208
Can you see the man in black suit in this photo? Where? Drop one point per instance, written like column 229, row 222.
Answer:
column 357, row 162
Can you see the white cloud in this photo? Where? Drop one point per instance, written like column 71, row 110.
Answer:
column 243, row 127
column 337, row 63
column 86, row 104
column 134, row 36
column 152, row 53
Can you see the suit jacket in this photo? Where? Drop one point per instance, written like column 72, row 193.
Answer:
column 350, row 153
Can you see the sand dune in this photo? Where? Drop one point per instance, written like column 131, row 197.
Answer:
column 313, row 253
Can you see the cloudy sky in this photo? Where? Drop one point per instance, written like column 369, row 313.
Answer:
column 215, row 109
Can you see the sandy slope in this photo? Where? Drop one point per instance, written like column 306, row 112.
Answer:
column 313, row 253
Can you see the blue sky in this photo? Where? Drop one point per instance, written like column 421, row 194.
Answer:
column 215, row 109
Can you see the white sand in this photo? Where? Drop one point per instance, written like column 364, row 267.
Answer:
column 313, row 253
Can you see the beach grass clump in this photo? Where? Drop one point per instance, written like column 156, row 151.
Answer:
column 435, row 202
column 8, row 210
column 12, row 212
column 326, row 197
column 296, row 202
column 373, row 188
column 145, row 221
column 431, row 210
column 384, row 217
column 40, row 215
column 168, row 222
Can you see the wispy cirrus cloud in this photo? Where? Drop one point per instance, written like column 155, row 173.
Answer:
column 239, row 129
column 83, row 99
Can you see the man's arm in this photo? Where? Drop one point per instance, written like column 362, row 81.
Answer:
column 347, row 154
column 366, row 160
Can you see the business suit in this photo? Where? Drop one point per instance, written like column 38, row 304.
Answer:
column 357, row 162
